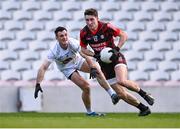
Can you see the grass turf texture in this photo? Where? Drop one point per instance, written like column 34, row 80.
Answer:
column 79, row 120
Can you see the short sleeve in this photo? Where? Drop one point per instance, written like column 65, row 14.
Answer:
column 50, row 56
column 82, row 41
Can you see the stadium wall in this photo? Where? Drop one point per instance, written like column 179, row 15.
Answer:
column 68, row 99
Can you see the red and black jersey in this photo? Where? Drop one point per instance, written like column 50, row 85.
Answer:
column 103, row 37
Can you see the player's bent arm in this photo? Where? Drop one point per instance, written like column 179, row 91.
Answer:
column 123, row 38
column 43, row 68
column 88, row 59
column 87, row 52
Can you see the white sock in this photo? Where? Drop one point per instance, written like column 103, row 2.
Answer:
column 111, row 91
column 89, row 110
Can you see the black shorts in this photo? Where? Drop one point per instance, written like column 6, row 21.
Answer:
column 108, row 69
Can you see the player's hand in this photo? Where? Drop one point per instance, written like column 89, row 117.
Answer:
column 93, row 73
column 117, row 48
column 97, row 56
column 37, row 89
column 115, row 55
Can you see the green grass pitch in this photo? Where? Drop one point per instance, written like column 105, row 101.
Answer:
column 79, row 120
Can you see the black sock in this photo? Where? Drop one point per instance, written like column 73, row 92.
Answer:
column 142, row 107
column 142, row 93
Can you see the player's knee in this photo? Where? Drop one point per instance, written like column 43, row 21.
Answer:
column 121, row 82
column 84, row 83
column 86, row 90
column 85, row 87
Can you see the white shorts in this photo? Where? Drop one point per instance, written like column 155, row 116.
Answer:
column 114, row 80
column 73, row 66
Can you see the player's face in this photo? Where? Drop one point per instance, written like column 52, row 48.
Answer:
column 92, row 22
column 62, row 38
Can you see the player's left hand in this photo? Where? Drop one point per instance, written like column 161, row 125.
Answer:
column 37, row 89
column 117, row 48
column 93, row 73
column 115, row 55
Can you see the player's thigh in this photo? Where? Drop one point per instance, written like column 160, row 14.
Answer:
column 121, row 72
column 79, row 80
column 85, row 67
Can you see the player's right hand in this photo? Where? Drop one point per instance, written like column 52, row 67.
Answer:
column 115, row 55
column 37, row 89
column 93, row 73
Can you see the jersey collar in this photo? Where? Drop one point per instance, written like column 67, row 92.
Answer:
column 99, row 26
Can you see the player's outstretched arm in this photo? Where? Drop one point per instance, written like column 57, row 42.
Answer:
column 88, row 59
column 93, row 69
column 87, row 52
column 40, row 77
column 37, row 89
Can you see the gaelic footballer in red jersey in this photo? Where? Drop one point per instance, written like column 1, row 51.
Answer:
column 99, row 39
column 99, row 35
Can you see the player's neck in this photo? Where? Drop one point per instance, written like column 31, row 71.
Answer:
column 94, row 30
column 64, row 46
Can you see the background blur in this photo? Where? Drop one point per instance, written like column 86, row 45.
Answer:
column 152, row 52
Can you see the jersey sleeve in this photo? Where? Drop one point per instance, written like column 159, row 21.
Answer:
column 116, row 30
column 82, row 41
column 51, row 55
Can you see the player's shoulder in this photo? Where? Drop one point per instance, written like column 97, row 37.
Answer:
column 103, row 23
column 111, row 25
column 74, row 44
column 73, row 40
column 84, row 30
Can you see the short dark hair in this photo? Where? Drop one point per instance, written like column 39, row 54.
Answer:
column 91, row 11
column 59, row 29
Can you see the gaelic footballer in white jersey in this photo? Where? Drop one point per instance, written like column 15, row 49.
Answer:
column 68, row 60
column 66, row 55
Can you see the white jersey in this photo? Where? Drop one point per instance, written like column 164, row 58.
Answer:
column 65, row 59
